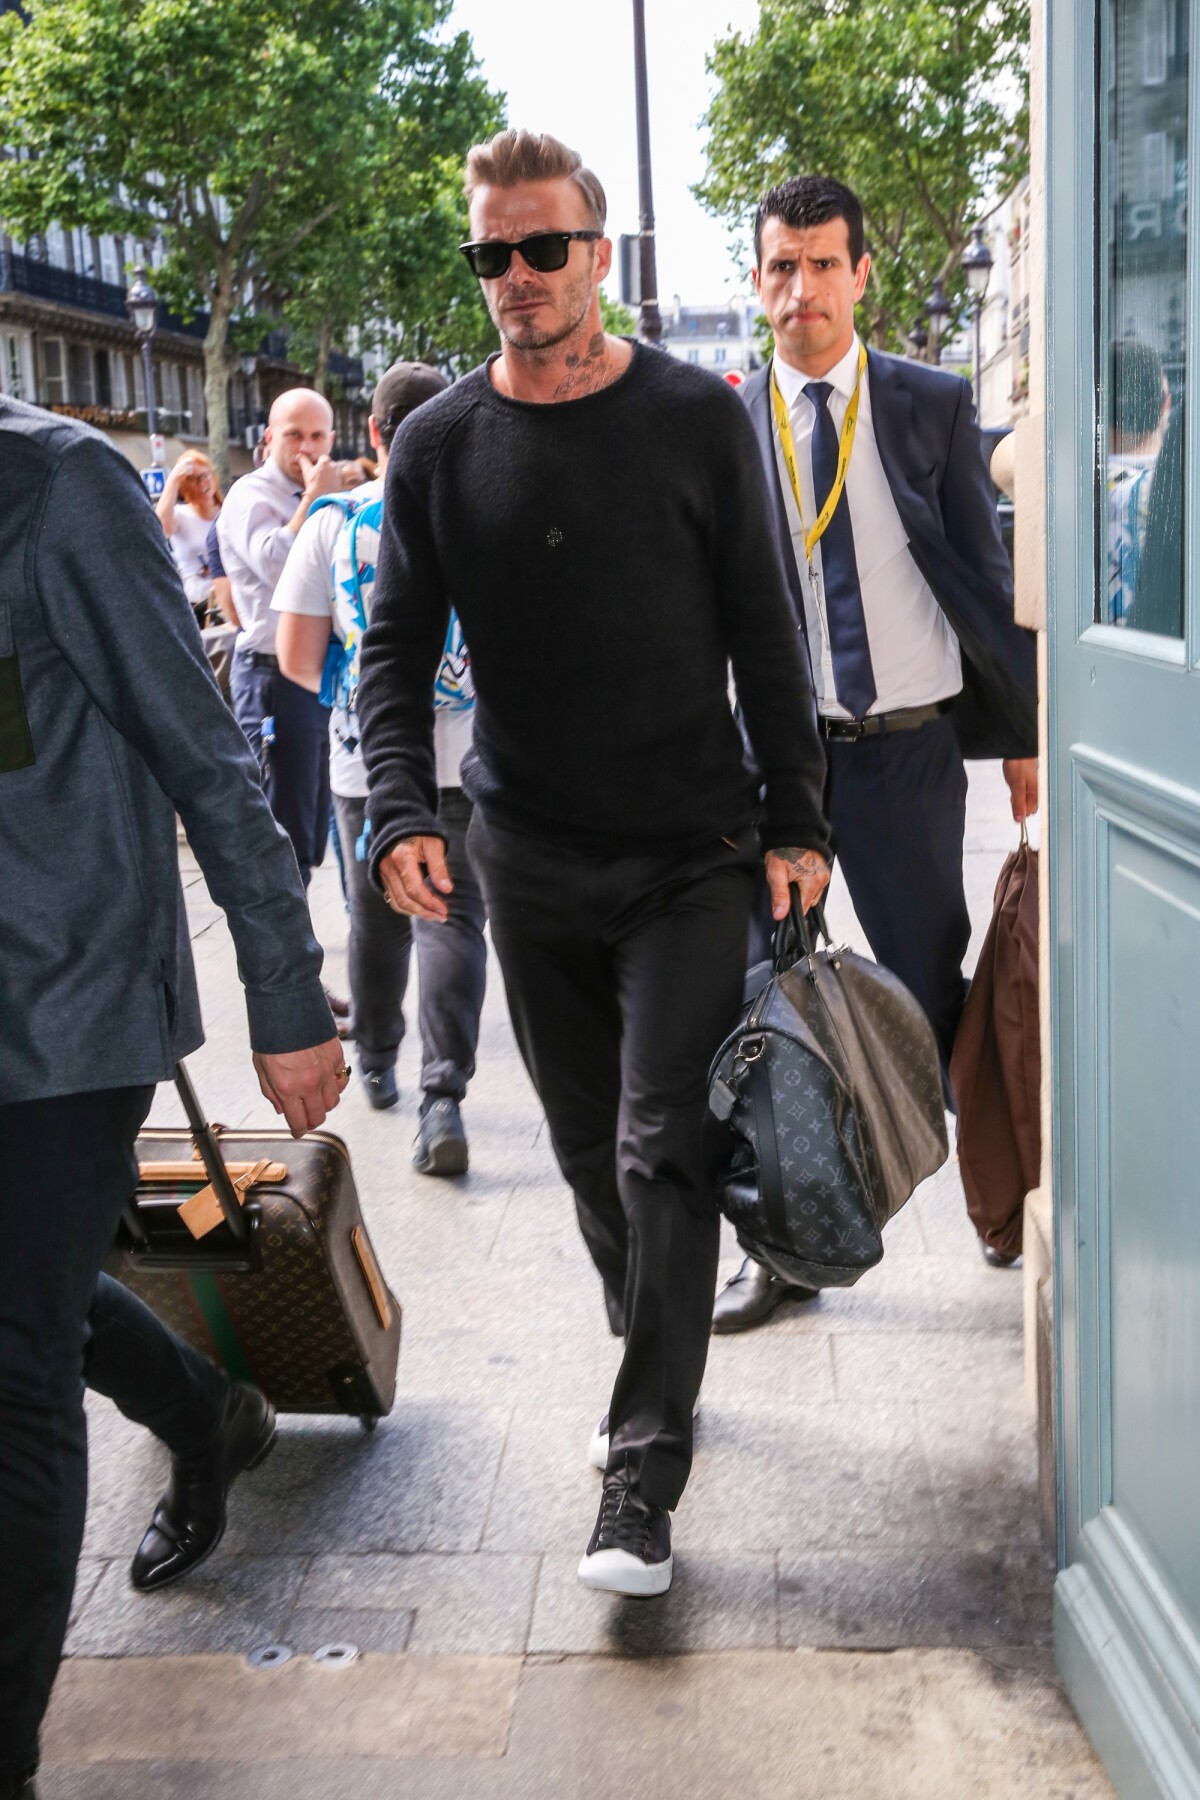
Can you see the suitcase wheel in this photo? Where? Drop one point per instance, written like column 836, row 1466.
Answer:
column 368, row 1421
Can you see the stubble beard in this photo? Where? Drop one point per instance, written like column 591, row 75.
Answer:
column 533, row 340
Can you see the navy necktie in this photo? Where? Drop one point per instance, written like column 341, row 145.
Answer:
column 853, row 676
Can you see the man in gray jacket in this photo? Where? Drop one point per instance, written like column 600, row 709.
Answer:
column 110, row 723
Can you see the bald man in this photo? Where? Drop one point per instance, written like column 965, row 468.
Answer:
column 288, row 728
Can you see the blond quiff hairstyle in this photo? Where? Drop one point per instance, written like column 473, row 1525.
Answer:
column 513, row 156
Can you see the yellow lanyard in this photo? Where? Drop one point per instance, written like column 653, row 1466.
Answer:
column 813, row 537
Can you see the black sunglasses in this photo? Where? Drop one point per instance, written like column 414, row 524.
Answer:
column 545, row 252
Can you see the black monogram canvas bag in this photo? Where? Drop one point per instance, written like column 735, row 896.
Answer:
column 827, row 1106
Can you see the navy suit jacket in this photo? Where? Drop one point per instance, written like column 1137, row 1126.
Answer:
column 932, row 456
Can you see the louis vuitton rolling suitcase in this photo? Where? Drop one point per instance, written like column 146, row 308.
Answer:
column 250, row 1244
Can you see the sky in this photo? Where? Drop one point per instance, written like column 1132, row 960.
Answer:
column 570, row 72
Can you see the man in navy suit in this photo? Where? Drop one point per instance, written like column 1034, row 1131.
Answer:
column 887, row 522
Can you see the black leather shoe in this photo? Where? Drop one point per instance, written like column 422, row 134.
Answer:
column 189, row 1521
column 750, row 1298
column 441, row 1146
column 18, row 1787
column 999, row 1259
column 380, row 1087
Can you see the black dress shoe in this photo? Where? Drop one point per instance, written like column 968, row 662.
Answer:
column 441, row 1146
column 380, row 1088
column 18, row 1787
column 999, row 1259
column 189, row 1521
column 750, row 1298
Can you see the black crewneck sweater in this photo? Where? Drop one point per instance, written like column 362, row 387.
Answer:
column 608, row 558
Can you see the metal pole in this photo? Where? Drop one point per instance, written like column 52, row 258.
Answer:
column 649, row 319
column 978, row 363
column 148, row 365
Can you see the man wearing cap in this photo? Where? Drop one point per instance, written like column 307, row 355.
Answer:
column 328, row 582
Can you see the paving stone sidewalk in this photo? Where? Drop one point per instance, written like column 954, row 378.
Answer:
column 864, row 1479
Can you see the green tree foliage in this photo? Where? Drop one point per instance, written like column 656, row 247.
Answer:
column 617, row 317
column 264, row 138
column 920, row 107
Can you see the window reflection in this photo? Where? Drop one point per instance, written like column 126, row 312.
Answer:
column 1141, row 579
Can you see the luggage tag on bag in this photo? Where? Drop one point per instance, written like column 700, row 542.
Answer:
column 202, row 1213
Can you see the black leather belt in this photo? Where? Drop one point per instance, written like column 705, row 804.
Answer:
column 258, row 659
column 905, row 718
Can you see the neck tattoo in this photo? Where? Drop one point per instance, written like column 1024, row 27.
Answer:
column 588, row 372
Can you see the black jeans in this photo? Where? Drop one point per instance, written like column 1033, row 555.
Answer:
column 295, row 768
column 452, row 956
column 623, row 975
column 66, row 1169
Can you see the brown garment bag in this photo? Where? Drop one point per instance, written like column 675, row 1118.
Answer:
column 996, row 1068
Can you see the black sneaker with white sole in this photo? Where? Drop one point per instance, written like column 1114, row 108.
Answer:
column 630, row 1549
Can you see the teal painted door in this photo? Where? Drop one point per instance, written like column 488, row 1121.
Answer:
column 1124, row 782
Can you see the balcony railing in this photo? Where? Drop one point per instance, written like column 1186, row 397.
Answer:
column 42, row 281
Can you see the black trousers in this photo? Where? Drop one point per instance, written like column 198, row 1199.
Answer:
column 452, row 956
column 622, row 975
column 897, row 807
column 66, row 1169
column 295, row 767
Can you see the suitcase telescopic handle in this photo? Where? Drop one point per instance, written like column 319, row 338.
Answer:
column 210, row 1156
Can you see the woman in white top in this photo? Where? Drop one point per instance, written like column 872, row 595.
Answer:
column 190, row 502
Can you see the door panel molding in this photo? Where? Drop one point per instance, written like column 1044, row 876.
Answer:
column 1136, row 794
column 1128, row 1707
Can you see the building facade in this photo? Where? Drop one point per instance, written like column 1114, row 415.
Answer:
column 67, row 343
column 720, row 338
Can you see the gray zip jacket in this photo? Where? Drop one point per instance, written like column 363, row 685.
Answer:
column 110, row 723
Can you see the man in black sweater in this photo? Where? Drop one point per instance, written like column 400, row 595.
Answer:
column 595, row 512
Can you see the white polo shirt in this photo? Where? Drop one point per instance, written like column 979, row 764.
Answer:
column 914, row 651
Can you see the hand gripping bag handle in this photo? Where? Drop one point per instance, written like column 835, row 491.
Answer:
column 210, row 1155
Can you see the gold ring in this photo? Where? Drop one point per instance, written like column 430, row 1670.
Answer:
column 345, row 1072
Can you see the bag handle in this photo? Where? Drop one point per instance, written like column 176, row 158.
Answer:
column 794, row 935
column 210, row 1156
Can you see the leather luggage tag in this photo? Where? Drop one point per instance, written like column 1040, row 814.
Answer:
column 202, row 1213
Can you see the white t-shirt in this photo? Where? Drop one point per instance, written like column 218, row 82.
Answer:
column 305, row 587
column 189, row 542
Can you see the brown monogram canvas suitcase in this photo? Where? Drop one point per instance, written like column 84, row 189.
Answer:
column 283, row 1288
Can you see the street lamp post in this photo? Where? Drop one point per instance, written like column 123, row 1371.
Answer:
column 649, row 317
column 352, row 387
column 141, row 303
column 937, row 311
column 977, row 267
column 249, row 362
column 918, row 340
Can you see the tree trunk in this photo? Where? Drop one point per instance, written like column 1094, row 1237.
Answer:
column 216, row 375
column 324, row 346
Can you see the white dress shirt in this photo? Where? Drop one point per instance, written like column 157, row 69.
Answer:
column 252, row 531
column 914, row 652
